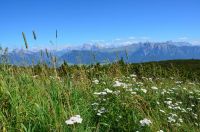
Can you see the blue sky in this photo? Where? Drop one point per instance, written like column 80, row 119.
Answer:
column 80, row 21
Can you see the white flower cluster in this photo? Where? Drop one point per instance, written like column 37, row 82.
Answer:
column 143, row 90
column 154, row 88
column 120, row 84
column 95, row 81
column 101, row 111
column 74, row 119
column 104, row 92
column 145, row 122
column 172, row 108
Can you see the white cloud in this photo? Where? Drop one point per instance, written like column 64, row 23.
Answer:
column 118, row 39
column 127, row 42
column 190, row 40
column 145, row 38
column 183, row 38
column 195, row 42
column 97, row 41
column 132, row 37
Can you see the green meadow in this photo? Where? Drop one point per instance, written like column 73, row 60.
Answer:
column 147, row 97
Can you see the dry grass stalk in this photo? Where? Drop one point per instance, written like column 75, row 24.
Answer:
column 25, row 41
column 34, row 35
column 56, row 34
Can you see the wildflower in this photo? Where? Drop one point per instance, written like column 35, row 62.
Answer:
column 117, row 84
column 74, row 119
column 168, row 98
column 136, row 89
column 133, row 93
column 178, row 124
column 168, row 102
column 162, row 111
column 96, row 81
column 133, row 75
column 189, row 109
column 195, row 115
column 150, row 79
column 163, row 92
column 154, row 88
column 99, row 114
column 191, row 83
column 184, row 88
column 35, row 76
column 180, row 120
column 120, row 84
column 130, row 90
column 178, row 82
column 171, row 119
column 95, row 104
column 174, row 88
column 100, row 93
column 144, row 90
column 139, row 83
column 177, row 108
column 134, row 79
column 179, row 102
column 69, row 122
column 116, row 92
column 101, row 111
column 104, row 99
column 108, row 90
column 183, row 110
column 160, row 131
column 173, row 115
column 145, row 122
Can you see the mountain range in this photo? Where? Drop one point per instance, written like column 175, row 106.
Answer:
column 92, row 53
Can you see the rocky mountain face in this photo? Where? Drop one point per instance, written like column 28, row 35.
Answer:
column 134, row 53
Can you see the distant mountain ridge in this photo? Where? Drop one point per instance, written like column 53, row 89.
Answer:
column 133, row 53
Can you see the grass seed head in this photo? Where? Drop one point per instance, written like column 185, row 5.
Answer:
column 25, row 41
column 34, row 35
column 56, row 33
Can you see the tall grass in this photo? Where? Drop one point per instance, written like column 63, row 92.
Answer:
column 42, row 101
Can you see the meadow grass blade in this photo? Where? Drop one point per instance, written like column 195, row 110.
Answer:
column 41, row 53
column 126, row 52
column 47, row 53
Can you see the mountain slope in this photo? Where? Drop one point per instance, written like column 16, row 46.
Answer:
column 141, row 52
column 135, row 53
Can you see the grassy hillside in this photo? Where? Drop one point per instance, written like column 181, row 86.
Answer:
column 156, row 96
